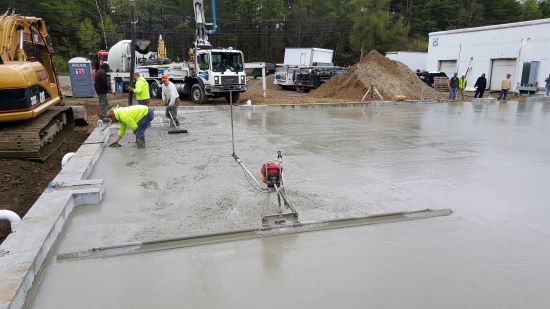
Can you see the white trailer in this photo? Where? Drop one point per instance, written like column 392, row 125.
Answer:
column 519, row 49
column 308, row 56
column 299, row 59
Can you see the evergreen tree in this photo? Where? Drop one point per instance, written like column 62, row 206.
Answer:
column 544, row 7
column 501, row 11
column 263, row 28
column 88, row 36
column 436, row 15
column 530, row 10
column 111, row 31
column 375, row 28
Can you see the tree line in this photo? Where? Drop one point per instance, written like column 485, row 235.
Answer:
column 263, row 28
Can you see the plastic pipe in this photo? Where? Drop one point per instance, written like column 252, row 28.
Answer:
column 214, row 26
column 21, row 39
column 66, row 158
column 12, row 217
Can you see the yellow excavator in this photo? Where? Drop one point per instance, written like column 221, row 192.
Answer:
column 33, row 124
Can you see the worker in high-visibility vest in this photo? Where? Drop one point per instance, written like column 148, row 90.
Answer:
column 137, row 118
column 141, row 89
column 461, row 86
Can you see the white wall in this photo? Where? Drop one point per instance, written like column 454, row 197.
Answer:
column 525, row 41
column 414, row 60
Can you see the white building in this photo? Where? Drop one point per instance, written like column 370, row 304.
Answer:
column 414, row 60
column 520, row 49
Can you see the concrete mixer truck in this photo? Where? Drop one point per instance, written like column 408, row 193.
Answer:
column 209, row 72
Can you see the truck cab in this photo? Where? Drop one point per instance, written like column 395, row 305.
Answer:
column 221, row 71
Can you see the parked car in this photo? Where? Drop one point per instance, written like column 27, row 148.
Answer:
column 269, row 69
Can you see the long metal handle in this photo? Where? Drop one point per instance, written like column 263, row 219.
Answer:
column 281, row 194
column 246, row 170
column 232, row 133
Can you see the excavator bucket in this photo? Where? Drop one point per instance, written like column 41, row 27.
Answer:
column 80, row 115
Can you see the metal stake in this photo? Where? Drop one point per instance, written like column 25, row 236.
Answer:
column 232, row 134
column 133, row 48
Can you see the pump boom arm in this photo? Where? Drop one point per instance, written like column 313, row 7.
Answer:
column 201, row 24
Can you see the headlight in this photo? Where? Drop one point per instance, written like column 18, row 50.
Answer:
column 243, row 79
column 216, row 80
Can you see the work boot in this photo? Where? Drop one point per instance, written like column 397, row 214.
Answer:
column 140, row 142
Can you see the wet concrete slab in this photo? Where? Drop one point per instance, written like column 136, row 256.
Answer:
column 487, row 161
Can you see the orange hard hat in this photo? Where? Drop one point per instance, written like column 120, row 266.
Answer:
column 164, row 77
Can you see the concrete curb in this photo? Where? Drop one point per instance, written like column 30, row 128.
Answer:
column 426, row 101
column 23, row 252
column 538, row 99
column 484, row 100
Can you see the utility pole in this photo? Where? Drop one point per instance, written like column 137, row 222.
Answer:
column 133, row 47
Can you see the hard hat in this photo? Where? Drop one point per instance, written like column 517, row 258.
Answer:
column 164, row 77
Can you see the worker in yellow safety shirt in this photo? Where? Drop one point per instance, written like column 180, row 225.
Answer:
column 137, row 118
column 141, row 89
column 461, row 86
column 505, row 86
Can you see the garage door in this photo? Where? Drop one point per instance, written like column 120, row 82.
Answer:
column 447, row 66
column 499, row 69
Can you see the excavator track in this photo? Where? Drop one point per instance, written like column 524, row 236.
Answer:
column 37, row 139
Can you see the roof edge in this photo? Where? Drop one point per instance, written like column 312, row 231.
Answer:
column 494, row 27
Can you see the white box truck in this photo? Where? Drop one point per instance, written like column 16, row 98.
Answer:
column 305, row 68
column 308, row 56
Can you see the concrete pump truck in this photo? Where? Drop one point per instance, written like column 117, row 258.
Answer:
column 209, row 72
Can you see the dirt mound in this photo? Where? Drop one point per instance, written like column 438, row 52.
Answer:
column 255, row 88
column 390, row 78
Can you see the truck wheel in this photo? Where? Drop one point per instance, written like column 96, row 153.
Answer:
column 197, row 94
column 306, row 90
column 155, row 90
column 235, row 97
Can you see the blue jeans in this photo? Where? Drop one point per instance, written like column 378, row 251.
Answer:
column 119, row 86
column 452, row 94
column 503, row 94
column 144, row 123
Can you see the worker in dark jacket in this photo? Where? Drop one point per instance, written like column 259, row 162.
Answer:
column 480, row 86
column 453, row 86
column 102, row 87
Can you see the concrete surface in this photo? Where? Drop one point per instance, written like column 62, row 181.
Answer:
column 488, row 162
column 538, row 98
column 484, row 100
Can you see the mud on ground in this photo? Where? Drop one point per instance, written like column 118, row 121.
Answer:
column 22, row 182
